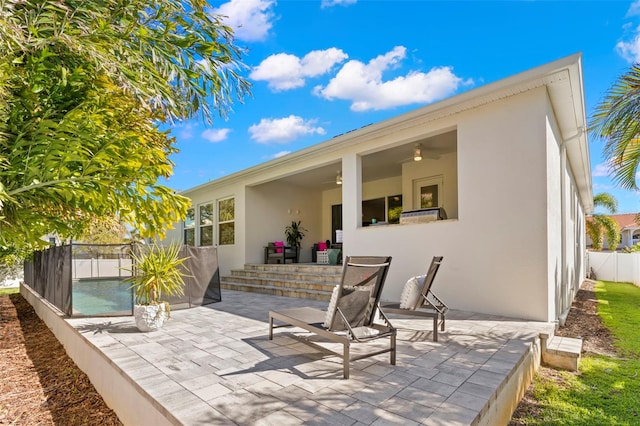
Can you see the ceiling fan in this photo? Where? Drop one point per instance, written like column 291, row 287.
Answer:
column 419, row 153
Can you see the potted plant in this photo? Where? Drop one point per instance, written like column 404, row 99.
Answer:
column 295, row 234
column 156, row 273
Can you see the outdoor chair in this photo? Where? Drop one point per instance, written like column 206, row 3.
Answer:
column 423, row 302
column 277, row 252
column 351, row 313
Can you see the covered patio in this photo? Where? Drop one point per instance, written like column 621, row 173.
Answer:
column 215, row 365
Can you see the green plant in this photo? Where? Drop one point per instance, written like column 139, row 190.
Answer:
column 156, row 272
column 9, row 290
column 606, row 392
column 294, row 233
column 599, row 225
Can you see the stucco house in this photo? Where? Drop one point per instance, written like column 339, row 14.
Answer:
column 629, row 231
column 507, row 162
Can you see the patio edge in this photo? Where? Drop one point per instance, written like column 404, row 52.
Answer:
column 500, row 408
column 123, row 395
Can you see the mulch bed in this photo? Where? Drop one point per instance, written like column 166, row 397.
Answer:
column 583, row 321
column 39, row 383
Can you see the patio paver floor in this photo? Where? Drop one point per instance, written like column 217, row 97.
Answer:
column 215, row 365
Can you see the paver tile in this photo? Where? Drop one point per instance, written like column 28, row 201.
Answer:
column 216, row 365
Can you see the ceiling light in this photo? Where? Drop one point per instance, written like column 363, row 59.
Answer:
column 417, row 153
column 339, row 178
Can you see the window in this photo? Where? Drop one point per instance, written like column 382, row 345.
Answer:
column 190, row 227
column 428, row 192
column 226, row 221
column 384, row 209
column 394, row 208
column 373, row 211
column 206, row 224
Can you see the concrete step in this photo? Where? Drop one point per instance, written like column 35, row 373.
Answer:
column 309, row 268
column 279, row 282
column 561, row 352
column 277, row 290
column 303, row 276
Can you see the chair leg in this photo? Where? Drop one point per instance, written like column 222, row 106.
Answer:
column 442, row 325
column 346, row 358
column 435, row 328
column 393, row 349
column 270, row 328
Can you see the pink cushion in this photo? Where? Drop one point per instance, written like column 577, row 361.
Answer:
column 279, row 244
column 322, row 246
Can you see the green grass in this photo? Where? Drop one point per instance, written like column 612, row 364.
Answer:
column 9, row 290
column 607, row 390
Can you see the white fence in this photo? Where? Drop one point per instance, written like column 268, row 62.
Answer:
column 101, row 268
column 615, row 266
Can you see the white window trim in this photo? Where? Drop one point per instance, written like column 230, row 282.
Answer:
column 218, row 222
column 428, row 181
column 200, row 225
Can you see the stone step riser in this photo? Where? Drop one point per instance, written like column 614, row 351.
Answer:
column 314, row 295
column 293, row 268
column 322, row 278
column 279, row 283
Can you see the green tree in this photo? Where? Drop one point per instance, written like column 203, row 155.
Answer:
column 617, row 120
column 84, row 87
column 600, row 226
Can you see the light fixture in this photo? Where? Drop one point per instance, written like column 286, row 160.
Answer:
column 339, row 178
column 417, row 153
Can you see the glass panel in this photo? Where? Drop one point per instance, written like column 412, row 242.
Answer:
column 206, row 214
column 206, row 236
column 190, row 237
column 227, row 233
column 190, row 220
column 373, row 211
column 226, row 210
column 394, row 204
column 429, row 196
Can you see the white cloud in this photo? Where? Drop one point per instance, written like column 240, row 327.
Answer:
column 283, row 71
column 362, row 84
column 215, row 135
column 634, row 9
column 184, row 129
column 601, row 170
column 329, row 3
column 251, row 20
column 630, row 50
column 283, row 130
column 281, row 154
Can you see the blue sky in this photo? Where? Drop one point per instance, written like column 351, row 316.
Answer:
column 320, row 68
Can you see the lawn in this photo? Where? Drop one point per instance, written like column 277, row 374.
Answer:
column 9, row 290
column 607, row 389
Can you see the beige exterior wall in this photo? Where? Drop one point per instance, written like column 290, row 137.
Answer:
column 514, row 243
column 273, row 206
column 495, row 252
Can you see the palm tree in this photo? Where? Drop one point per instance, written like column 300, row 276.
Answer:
column 617, row 119
column 600, row 226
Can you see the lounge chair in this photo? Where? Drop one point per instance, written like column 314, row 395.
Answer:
column 352, row 311
column 427, row 304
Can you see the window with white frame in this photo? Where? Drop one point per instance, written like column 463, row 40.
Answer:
column 205, row 220
column 428, row 192
column 226, row 221
column 189, row 227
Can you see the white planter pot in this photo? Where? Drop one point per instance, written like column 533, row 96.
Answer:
column 149, row 317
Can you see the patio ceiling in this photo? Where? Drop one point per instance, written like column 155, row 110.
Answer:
column 379, row 165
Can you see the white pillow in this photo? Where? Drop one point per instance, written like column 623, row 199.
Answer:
column 411, row 292
column 331, row 310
